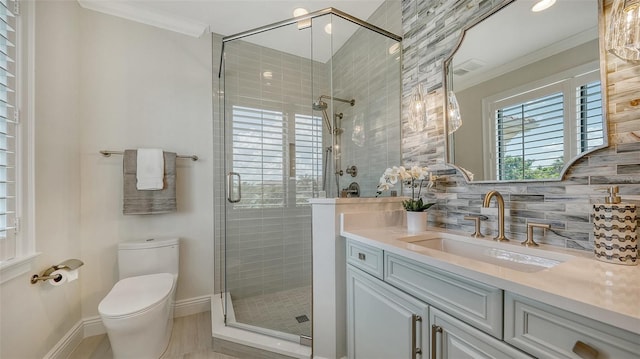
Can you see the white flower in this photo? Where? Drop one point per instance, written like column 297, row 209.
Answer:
column 404, row 174
column 383, row 187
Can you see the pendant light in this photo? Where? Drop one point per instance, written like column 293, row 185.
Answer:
column 417, row 109
column 455, row 120
column 623, row 35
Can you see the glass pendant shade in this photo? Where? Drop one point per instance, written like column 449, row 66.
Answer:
column 455, row 121
column 623, row 35
column 418, row 109
column 358, row 134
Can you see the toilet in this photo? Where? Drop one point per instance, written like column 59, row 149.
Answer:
column 138, row 311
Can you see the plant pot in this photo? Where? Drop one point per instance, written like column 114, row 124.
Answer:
column 416, row 222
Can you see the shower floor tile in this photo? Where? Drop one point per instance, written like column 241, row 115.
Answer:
column 278, row 311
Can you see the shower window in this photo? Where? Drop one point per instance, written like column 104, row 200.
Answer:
column 258, row 153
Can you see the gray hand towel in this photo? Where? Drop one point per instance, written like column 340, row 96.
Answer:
column 148, row 202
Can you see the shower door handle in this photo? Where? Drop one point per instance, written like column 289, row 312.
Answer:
column 230, row 197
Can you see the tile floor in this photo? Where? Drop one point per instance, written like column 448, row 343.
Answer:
column 277, row 311
column 190, row 339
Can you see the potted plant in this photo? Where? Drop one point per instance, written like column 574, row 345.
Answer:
column 415, row 206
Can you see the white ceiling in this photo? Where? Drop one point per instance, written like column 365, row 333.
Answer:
column 228, row 17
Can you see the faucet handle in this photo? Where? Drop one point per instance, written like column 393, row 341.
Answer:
column 530, row 226
column 477, row 219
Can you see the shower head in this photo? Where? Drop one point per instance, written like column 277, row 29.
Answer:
column 319, row 105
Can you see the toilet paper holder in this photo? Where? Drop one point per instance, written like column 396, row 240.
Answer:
column 69, row 264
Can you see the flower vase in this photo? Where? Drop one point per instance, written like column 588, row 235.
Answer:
column 416, row 222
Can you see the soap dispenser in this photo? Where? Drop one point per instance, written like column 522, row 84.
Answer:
column 614, row 229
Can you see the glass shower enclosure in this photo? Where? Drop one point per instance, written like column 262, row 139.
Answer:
column 310, row 107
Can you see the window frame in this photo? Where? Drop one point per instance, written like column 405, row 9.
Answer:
column 26, row 253
column 564, row 82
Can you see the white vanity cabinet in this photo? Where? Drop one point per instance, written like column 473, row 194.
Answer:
column 548, row 332
column 382, row 321
column 388, row 320
column 452, row 338
column 475, row 303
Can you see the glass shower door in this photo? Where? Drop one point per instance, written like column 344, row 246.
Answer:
column 272, row 161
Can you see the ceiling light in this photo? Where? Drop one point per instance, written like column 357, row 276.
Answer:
column 623, row 35
column 299, row 12
column 267, row 75
column 542, row 5
column 302, row 24
column 327, row 28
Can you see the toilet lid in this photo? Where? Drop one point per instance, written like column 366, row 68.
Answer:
column 135, row 294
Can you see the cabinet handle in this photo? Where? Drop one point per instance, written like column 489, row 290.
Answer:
column 435, row 329
column 361, row 256
column 414, row 338
column 585, row 351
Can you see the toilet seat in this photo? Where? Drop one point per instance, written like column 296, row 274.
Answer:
column 135, row 295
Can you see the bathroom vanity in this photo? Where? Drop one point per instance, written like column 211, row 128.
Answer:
column 440, row 294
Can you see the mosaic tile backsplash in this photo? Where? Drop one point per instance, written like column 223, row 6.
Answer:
column 431, row 30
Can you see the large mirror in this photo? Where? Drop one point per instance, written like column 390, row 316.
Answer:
column 529, row 90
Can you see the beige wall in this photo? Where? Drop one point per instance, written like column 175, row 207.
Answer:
column 143, row 87
column 35, row 317
column 108, row 83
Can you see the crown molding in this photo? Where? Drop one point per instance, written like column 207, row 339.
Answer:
column 138, row 13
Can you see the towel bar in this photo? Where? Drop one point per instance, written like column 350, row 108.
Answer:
column 106, row 153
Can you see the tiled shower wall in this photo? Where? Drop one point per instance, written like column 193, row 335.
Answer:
column 365, row 69
column 431, row 31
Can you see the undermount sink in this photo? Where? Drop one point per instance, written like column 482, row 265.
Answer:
column 521, row 259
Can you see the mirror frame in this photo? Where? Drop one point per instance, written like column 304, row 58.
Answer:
column 446, row 64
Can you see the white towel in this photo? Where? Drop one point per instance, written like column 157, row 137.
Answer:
column 150, row 169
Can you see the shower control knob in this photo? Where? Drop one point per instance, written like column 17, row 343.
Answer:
column 352, row 170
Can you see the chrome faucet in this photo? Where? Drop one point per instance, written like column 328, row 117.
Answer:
column 487, row 200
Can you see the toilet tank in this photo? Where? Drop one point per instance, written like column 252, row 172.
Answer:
column 148, row 256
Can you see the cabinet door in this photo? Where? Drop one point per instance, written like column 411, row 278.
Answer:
column 453, row 339
column 383, row 322
column 550, row 332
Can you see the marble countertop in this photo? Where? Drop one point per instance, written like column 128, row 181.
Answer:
column 602, row 291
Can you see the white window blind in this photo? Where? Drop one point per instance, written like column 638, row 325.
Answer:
column 535, row 129
column 308, row 156
column 590, row 131
column 258, row 155
column 529, row 139
column 8, row 130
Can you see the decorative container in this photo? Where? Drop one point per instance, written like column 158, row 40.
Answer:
column 614, row 229
column 416, row 221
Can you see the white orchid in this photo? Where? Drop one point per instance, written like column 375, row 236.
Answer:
column 413, row 177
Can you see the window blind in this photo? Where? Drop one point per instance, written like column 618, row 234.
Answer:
column 590, row 125
column 529, row 139
column 308, row 139
column 258, row 154
column 8, row 130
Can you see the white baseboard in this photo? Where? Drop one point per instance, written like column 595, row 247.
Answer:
column 191, row 306
column 91, row 326
column 68, row 343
